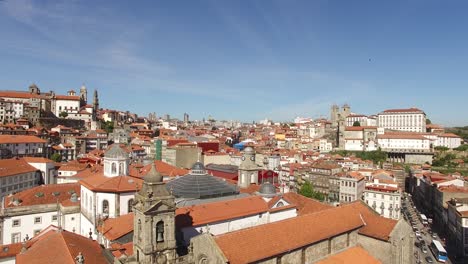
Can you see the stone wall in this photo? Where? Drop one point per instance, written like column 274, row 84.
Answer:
column 204, row 247
column 50, row 122
column 418, row 158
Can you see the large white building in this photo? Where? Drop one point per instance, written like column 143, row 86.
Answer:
column 21, row 145
column 351, row 187
column 414, row 142
column 448, row 140
column 46, row 167
column 384, row 197
column 108, row 192
column 17, row 175
column 412, row 119
column 27, row 213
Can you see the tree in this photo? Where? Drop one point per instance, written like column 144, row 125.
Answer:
column 441, row 148
column 428, row 121
column 63, row 114
column 56, row 157
column 108, row 126
column 307, row 190
column 356, row 123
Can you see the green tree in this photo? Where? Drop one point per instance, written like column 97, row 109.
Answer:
column 108, row 126
column 307, row 190
column 462, row 148
column 56, row 157
column 63, row 114
column 356, row 123
column 441, row 148
column 428, row 121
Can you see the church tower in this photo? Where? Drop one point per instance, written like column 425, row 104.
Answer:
column 95, row 103
column 248, row 169
column 154, row 238
column 83, row 95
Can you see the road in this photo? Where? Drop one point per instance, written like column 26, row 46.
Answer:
column 412, row 216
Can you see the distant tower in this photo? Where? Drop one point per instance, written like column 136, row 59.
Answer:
column 248, row 169
column 84, row 94
column 154, row 238
column 95, row 103
column 34, row 89
column 335, row 110
column 186, row 118
column 346, row 111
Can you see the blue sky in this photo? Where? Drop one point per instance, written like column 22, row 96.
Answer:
column 243, row 60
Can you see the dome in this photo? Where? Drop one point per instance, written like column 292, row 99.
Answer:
column 267, row 190
column 249, row 150
column 116, row 152
column 153, row 176
column 198, row 168
column 200, row 186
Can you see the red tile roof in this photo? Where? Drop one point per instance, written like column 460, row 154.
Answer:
column 305, row 205
column 45, row 194
column 15, row 139
column 408, row 110
column 197, row 215
column 279, row 237
column 14, row 166
column 67, row 244
column 353, row 255
column 37, row 160
column 115, row 228
column 67, row 97
column 119, row 184
column 375, row 226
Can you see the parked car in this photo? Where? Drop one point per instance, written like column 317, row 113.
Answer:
column 429, row 260
column 424, row 249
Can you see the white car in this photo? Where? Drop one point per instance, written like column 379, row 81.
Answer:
column 417, row 233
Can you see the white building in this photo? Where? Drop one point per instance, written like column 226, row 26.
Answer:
column 448, row 140
column 45, row 166
column 67, row 171
column 404, row 141
column 20, row 145
column 412, row 119
column 17, row 175
column 351, row 187
column 384, row 197
column 69, row 104
column 26, row 213
column 107, row 192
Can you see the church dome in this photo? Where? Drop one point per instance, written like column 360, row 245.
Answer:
column 249, row 150
column 153, row 176
column 198, row 168
column 267, row 190
column 199, row 185
column 116, row 152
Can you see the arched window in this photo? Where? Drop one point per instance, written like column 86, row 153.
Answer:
column 280, row 204
column 105, row 207
column 130, row 205
column 121, row 169
column 114, row 168
column 160, row 231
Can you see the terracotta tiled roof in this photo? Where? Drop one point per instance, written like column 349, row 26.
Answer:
column 162, row 167
column 353, row 255
column 115, row 228
column 453, row 189
column 37, row 160
column 44, row 194
column 451, row 135
column 119, row 184
column 67, row 97
column 123, row 249
column 15, row 139
column 61, row 248
column 402, row 136
column 305, row 205
column 376, row 226
column 18, row 94
column 359, row 128
column 412, row 109
column 14, row 166
column 218, row 211
column 279, row 237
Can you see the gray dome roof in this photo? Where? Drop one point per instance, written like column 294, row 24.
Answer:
column 198, row 168
column 116, row 152
column 153, row 176
column 200, row 186
column 249, row 150
column 267, row 189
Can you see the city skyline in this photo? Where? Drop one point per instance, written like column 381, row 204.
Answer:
column 242, row 61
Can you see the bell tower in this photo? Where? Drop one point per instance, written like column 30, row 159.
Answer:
column 154, row 238
column 248, row 169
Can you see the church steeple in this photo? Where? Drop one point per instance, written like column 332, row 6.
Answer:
column 154, row 223
column 95, row 103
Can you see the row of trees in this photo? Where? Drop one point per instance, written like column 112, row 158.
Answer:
column 307, row 190
column 376, row 156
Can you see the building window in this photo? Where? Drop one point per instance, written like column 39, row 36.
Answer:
column 160, row 231
column 54, row 218
column 114, row 168
column 15, row 238
column 130, row 205
column 37, row 220
column 37, row 232
column 105, row 207
column 16, row 222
